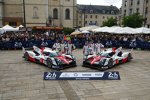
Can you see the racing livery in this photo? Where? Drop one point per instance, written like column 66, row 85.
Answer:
column 50, row 58
column 107, row 58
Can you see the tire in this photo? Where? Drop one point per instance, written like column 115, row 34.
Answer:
column 26, row 56
column 110, row 63
column 129, row 57
column 49, row 63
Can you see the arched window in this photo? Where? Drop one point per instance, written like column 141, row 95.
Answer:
column 35, row 12
column 67, row 14
column 55, row 13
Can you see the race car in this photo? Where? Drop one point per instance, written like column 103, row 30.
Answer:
column 107, row 58
column 50, row 58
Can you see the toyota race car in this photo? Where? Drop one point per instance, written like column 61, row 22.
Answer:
column 50, row 58
column 107, row 59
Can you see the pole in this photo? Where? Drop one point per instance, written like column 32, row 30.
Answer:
column 24, row 14
column 84, row 16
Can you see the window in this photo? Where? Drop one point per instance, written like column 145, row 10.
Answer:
column 91, row 11
column 125, row 4
column 138, row 2
column 103, row 17
column 85, row 22
column 130, row 12
column 146, row 10
column 124, row 12
column 13, row 23
column 91, row 16
column 131, row 3
column 67, row 14
column 96, row 16
column 85, row 16
column 103, row 11
column 146, row 1
column 67, row 0
column 55, row 13
column 137, row 10
column 35, row 12
column 79, row 22
column 112, row 12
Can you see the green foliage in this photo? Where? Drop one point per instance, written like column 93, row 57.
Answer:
column 110, row 22
column 68, row 30
column 134, row 20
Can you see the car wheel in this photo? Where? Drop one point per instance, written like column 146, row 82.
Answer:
column 49, row 63
column 26, row 56
column 110, row 63
column 129, row 57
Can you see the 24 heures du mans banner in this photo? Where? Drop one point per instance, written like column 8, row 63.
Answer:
column 82, row 75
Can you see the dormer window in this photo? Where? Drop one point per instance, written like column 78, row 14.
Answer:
column 91, row 11
column 103, row 11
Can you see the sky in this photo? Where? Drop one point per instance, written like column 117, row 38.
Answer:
column 101, row 2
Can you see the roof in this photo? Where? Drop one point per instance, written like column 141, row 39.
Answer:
column 98, row 9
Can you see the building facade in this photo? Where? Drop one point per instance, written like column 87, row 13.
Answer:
column 95, row 14
column 1, row 12
column 137, row 6
column 40, row 12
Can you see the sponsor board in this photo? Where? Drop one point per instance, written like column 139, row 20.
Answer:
column 81, row 76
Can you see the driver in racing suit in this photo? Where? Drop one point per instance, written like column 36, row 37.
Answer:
column 69, row 47
column 98, row 47
column 56, row 46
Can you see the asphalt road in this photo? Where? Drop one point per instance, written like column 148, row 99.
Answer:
column 22, row 80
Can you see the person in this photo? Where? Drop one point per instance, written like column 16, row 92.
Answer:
column 98, row 47
column 62, row 47
column 92, row 47
column 56, row 46
column 69, row 47
column 85, row 49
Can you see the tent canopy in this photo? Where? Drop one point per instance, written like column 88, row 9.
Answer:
column 9, row 28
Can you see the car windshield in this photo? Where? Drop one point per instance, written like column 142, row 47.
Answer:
column 54, row 54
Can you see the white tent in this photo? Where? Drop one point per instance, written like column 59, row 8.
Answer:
column 9, row 28
column 143, row 30
column 85, row 31
column 89, row 28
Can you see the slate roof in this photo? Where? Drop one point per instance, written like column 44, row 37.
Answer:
column 98, row 9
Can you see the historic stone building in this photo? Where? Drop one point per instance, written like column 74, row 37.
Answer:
column 1, row 12
column 40, row 12
column 95, row 14
column 137, row 6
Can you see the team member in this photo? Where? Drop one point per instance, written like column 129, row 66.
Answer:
column 62, row 47
column 91, row 47
column 98, row 47
column 85, row 49
column 56, row 46
column 69, row 47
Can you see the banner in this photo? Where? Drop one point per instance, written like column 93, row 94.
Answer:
column 81, row 75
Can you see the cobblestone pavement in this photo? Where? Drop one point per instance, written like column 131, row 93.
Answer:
column 22, row 80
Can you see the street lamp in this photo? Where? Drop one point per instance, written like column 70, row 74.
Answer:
column 24, row 13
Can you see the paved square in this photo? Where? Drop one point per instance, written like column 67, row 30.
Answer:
column 22, row 80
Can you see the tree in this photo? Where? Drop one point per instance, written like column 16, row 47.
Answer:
column 134, row 20
column 110, row 22
column 67, row 30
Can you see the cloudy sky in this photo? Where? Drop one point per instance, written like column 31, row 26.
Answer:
column 101, row 2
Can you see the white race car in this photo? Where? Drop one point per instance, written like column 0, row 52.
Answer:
column 107, row 59
column 50, row 58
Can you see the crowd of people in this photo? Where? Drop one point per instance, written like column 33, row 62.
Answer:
column 11, row 40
